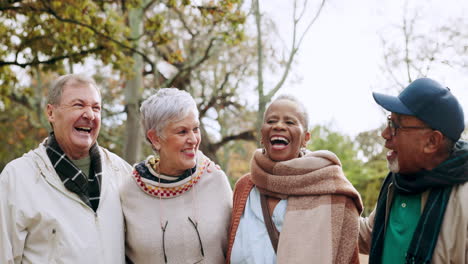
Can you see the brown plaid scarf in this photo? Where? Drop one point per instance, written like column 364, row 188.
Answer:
column 321, row 224
column 87, row 188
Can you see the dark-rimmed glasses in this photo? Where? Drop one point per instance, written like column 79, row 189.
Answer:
column 394, row 126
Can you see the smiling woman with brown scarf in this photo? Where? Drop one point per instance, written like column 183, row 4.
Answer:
column 311, row 209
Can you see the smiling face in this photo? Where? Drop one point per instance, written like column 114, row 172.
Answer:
column 76, row 119
column 178, row 145
column 407, row 148
column 283, row 132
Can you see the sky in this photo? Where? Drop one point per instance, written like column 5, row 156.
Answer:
column 339, row 63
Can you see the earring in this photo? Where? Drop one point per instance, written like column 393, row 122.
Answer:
column 302, row 151
column 263, row 148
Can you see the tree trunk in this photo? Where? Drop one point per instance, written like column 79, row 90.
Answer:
column 264, row 97
column 133, row 91
column 261, row 97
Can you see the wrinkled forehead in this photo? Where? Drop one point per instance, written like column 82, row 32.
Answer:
column 287, row 108
column 76, row 90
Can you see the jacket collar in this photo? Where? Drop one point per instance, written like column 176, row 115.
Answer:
column 47, row 171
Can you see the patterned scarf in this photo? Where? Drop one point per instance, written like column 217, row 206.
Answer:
column 87, row 188
column 163, row 186
column 321, row 221
column 440, row 180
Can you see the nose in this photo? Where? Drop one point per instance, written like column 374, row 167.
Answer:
column 88, row 113
column 192, row 138
column 386, row 134
column 278, row 125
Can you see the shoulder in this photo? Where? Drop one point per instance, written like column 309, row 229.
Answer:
column 209, row 167
column 243, row 187
column 241, row 193
column 116, row 162
column 244, row 182
column 23, row 167
column 460, row 193
column 457, row 204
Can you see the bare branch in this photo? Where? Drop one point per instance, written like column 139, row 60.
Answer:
column 311, row 22
column 388, row 66
column 246, row 135
column 258, row 15
column 189, row 67
column 294, row 49
column 184, row 23
column 52, row 60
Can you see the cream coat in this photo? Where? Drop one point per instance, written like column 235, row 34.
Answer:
column 42, row 222
column 452, row 244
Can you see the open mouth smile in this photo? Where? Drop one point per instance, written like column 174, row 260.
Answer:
column 84, row 129
column 279, row 142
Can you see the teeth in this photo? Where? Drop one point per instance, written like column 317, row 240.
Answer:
column 84, row 128
column 280, row 139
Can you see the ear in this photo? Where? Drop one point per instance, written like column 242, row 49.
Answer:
column 155, row 140
column 306, row 138
column 435, row 142
column 50, row 113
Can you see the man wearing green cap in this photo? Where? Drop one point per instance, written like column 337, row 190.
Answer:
column 421, row 214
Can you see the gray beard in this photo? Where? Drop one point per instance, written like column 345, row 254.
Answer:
column 393, row 166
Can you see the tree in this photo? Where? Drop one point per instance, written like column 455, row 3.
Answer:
column 297, row 37
column 418, row 47
column 182, row 36
column 373, row 153
column 51, row 33
column 195, row 50
column 134, row 88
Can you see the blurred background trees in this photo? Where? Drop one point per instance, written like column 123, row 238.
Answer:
column 227, row 53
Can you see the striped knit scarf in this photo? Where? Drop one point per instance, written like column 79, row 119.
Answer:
column 87, row 188
column 440, row 180
column 321, row 221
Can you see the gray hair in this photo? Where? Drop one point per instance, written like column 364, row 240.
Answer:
column 56, row 89
column 302, row 109
column 167, row 105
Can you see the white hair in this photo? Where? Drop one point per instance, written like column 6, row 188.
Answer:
column 302, row 109
column 167, row 105
column 56, row 89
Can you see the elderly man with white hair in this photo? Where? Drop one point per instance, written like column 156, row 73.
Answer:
column 59, row 203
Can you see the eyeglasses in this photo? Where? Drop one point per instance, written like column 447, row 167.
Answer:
column 394, row 126
column 195, row 225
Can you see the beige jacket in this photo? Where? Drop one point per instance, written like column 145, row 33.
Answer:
column 42, row 222
column 452, row 244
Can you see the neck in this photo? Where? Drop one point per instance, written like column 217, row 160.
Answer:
column 161, row 169
column 75, row 155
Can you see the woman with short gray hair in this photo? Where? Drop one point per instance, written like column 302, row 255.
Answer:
column 176, row 204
